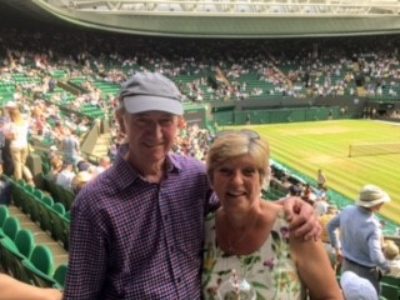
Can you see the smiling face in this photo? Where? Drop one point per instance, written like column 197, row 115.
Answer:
column 150, row 135
column 237, row 183
column 237, row 165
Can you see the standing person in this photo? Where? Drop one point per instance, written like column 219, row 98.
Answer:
column 248, row 250
column 17, row 133
column 137, row 229
column 321, row 179
column 361, row 235
column 70, row 147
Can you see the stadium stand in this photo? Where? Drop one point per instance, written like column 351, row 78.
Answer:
column 70, row 81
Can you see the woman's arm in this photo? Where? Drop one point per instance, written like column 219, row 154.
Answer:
column 315, row 269
column 12, row 289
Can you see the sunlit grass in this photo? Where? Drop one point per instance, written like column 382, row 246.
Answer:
column 309, row 146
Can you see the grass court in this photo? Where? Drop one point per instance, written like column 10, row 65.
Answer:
column 308, row 146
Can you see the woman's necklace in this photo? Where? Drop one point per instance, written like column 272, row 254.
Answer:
column 237, row 287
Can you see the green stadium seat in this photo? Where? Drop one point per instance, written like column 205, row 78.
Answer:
column 4, row 214
column 59, row 276
column 40, row 267
column 45, row 205
column 59, row 208
column 33, row 207
column 59, row 226
column 25, row 243
column 389, row 291
column 8, row 250
column 10, row 228
column 391, row 280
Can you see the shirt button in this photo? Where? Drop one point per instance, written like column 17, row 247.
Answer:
column 178, row 280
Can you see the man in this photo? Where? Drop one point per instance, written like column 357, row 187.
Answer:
column 361, row 236
column 137, row 229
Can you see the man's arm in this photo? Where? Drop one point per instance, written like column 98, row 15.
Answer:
column 376, row 253
column 87, row 255
column 302, row 220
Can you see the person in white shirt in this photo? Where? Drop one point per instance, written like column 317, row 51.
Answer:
column 66, row 176
column 17, row 132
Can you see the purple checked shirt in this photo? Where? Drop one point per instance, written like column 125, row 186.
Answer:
column 131, row 239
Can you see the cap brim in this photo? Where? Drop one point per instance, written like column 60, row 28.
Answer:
column 143, row 103
column 368, row 204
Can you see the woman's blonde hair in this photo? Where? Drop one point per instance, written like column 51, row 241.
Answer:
column 15, row 115
column 390, row 249
column 235, row 144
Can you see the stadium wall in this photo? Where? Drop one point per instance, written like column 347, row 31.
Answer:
column 286, row 109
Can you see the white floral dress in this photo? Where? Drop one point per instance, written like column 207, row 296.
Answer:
column 269, row 273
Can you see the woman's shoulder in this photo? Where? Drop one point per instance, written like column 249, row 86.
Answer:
column 275, row 217
column 273, row 211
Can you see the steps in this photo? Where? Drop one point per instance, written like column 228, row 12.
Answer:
column 102, row 145
column 41, row 237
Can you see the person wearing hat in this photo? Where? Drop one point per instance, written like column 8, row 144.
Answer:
column 137, row 228
column 361, row 236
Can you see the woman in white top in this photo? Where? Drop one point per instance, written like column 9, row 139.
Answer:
column 17, row 133
column 249, row 251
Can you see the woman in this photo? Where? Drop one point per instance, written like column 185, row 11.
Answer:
column 249, row 252
column 17, row 133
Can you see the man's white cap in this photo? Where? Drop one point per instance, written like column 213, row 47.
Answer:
column 151, row 92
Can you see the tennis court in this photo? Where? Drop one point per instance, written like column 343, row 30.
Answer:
column 309, row 146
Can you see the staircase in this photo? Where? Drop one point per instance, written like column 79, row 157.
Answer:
column 102, row 145
column 41, row 237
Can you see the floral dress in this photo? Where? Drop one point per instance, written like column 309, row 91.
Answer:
column 268, row 273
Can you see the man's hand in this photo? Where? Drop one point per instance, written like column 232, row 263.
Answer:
column 302, row 220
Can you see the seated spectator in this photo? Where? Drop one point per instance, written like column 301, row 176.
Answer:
column 80, row 180
column 65, row 177
column 294, row 190
column 104, row 164
column 308, row 194
column 391, row 252
column 321, row 206
column 56, row 166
